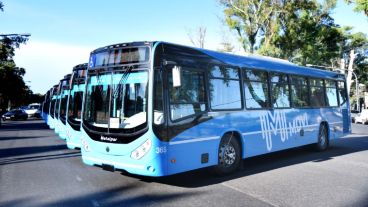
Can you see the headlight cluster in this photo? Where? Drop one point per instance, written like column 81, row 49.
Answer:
column 85, row 145
column 141, row 150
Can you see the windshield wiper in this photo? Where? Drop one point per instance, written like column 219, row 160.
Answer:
column 122, row 81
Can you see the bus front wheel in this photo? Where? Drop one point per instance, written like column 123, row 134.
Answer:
column 228, row 155
column 323, row 141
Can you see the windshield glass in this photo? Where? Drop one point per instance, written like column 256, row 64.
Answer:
column 116, row 100
column 121, row 56
column 57, row 107
column 75, row 103
column 52, row 107
column 63, row 103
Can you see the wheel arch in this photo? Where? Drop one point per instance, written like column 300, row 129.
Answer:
column 238, row 137
column 325, row 124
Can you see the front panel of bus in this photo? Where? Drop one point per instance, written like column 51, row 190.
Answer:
column 58, row 123
column 51, row 114
column 45, row 106
column 64, row 94
column 115, row 123
column 73, row 119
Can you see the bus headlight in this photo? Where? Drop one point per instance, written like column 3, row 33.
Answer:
column 85, row 145
column 141, row 150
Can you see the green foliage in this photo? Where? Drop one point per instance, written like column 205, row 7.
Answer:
column 359, row 43
column 300, row 31
column 360, row 5
column 8, row 44
column 248, row 19
column 308, row 34
column 12, row 86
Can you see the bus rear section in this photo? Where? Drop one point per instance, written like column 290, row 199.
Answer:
column 73, row 122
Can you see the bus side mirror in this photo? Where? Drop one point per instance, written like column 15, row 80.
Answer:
column 176, row 76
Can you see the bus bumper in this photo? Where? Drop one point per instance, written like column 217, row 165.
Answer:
column 73, row 138
column 151, row 164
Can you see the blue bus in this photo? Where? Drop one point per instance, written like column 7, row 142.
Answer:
column 156, row 108
column 73, row 118
column 51, row 114
column 61, row 106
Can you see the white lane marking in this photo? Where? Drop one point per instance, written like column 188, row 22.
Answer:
column 249, row 194
column 78, row 178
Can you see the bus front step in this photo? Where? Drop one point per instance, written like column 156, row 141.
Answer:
column 108, row 167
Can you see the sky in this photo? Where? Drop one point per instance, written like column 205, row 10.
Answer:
column 64, row 32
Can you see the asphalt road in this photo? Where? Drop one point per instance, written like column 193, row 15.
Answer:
column 36, row 169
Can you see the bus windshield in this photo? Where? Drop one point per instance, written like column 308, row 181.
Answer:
column 76, row 96
column 75, row 104
column 116, row 100
column 52, row 107
column 63, row 104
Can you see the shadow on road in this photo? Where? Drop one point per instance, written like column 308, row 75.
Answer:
column 20, row 151
column 8, row 161
column 26, row 137
column 259, row 164
column 34, row 124
column 118, row 196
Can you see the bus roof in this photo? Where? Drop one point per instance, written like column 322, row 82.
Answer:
column 248, row 61
column 266, row 63
column 82, row 66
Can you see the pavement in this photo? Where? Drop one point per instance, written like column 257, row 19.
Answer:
column 37, row 169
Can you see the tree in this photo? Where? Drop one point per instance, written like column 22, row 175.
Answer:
column 360, row 5
column 248, row 18
column 308, row 33
column 300, row 31
column 198, row 38
column 226, row 47
column 12, row 87
column 358, row 44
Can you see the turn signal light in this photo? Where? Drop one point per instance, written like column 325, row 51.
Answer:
column 141, row 150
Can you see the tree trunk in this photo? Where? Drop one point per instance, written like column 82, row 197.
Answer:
column 350, row 70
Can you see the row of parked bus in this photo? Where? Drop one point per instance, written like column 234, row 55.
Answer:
column 62, row 107
column 156, row 108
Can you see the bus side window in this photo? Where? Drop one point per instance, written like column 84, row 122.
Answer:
column 331, row 93
column 189, row 98
column 317, row 92
column 158, row 109
column 224, row 88
column 279, row 90
column 342, row 93
column 256, row 89
column 299, row 91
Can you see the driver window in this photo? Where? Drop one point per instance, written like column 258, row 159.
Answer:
column 189, row 98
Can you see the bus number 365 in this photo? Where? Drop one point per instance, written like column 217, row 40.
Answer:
column 161, row 150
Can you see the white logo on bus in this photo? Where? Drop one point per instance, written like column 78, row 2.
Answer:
column 275, row 123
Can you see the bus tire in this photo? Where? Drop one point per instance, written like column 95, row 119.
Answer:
column 323, row 140
column 228, row 155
